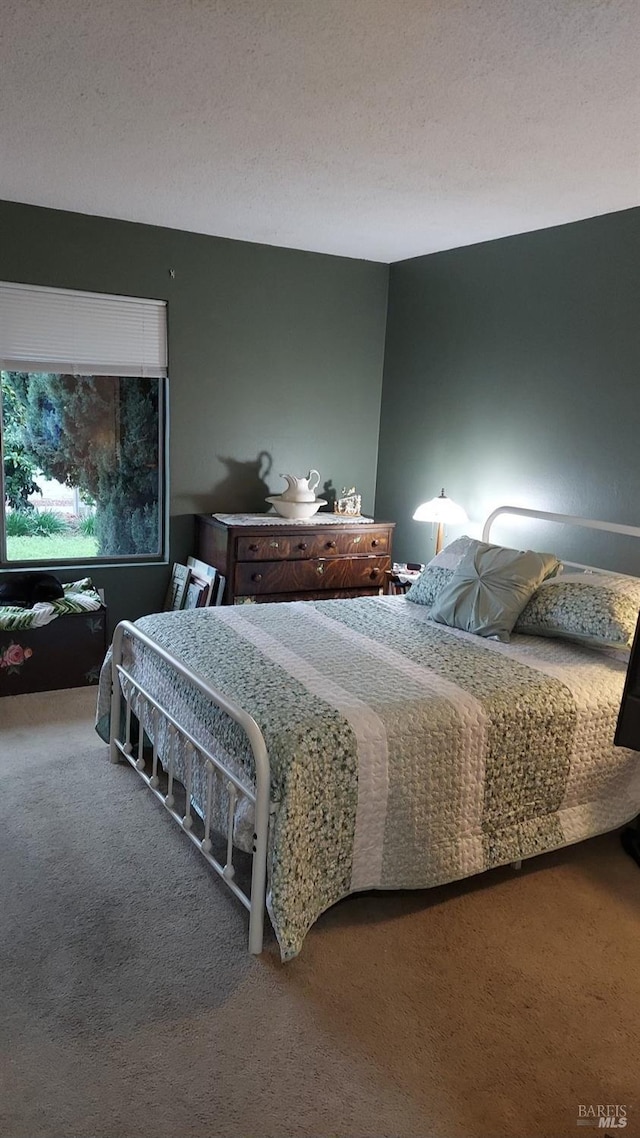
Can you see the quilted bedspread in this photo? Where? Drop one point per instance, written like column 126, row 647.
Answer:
column 404, row 754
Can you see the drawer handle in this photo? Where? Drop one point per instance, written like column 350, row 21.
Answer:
column 273, row 544
column 375, row 542
column 374, row 572
column 256, row 576
column 302, row 545
column 253, row 547
column 331, row 545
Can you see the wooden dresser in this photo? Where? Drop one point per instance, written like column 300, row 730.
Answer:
column 279, row 560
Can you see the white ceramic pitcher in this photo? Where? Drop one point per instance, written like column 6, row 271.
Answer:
column 301, row 489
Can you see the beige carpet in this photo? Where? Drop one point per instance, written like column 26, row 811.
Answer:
column 129, row 1006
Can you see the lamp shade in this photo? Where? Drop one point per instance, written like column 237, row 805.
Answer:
column 440, row 509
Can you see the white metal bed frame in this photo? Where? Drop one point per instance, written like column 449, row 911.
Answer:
column 565, row 519
column 260, row 796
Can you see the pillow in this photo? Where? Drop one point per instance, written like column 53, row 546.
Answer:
column 596, row 609
column 438, row 572
column 84, row 585
column 490, row 588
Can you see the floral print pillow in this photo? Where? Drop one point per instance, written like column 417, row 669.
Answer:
column 596, row 609
column 439, row 572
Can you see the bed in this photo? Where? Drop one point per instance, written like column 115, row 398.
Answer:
column 354, row 745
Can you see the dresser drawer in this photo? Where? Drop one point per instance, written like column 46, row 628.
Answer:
column 315, row 573
column 345, row 544
column 268, row 547
column 265, row 547
column 309, row 595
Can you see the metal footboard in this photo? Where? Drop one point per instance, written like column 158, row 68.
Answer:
column 214, row 768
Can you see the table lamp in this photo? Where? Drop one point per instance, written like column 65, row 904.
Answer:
column 442, row 511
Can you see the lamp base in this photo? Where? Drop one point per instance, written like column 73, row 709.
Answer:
column 439, row 537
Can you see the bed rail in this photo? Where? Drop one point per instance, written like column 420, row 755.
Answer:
column 564, row 519
column 214, row 767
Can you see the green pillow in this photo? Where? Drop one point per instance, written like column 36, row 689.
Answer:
column 596, row 609
column 490, row 588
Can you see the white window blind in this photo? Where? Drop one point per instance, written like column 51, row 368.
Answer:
column 81, row 333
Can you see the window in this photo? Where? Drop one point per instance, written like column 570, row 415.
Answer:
column 82, row 386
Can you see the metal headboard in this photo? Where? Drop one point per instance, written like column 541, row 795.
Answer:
column 565, row 519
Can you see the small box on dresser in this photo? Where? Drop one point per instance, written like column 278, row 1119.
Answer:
column 267, row 558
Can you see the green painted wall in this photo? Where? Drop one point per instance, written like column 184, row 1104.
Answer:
column 275, row 360
column 512, row 374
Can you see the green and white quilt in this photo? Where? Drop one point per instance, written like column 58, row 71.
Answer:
column 404, row 754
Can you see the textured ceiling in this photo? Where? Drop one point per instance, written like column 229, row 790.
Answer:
column 380, row 129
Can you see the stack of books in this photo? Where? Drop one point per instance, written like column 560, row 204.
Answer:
column 195, row 585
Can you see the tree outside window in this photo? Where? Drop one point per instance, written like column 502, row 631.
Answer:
column 99, row 439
